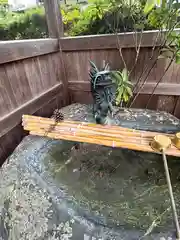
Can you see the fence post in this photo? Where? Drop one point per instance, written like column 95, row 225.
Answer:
column 55, row 29
column 54, row 18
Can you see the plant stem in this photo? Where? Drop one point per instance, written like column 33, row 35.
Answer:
column 167, row 68
column 120, row 51
column 143, row 83
column 173, row 205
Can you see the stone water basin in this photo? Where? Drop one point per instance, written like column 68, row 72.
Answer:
column 53, row 190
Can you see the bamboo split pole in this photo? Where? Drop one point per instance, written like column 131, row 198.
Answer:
column 162, row 143
column 112, row 136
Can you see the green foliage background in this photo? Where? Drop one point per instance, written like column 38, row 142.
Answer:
column 3, row 2
column 24, row 25
column 98, row 17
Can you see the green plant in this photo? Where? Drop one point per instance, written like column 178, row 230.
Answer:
column 30, row 24
column 119, row 78
column 70, row 15
column 166, row 15
column 124, row 86
column 110, row 16
column 3, row 2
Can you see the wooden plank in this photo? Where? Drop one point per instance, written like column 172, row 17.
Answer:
column 81, row 97
column 21, row 49
column 77, row 64
column 177, row 108
column 142, row 99
column 7, row 97
column 14, row 118
column 162, row 89
column 34, row 76
column 18, row 82
column 110, row 41
column 166, row 103
column 113, row 41
column 53, row 18
column 10, row 141
column 60, row 73
column 56, row 30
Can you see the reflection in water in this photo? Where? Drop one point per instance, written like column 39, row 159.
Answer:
column 119, row 187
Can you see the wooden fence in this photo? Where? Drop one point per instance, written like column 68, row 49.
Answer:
column 77, row 52
column 36, row 76
column 31, row 81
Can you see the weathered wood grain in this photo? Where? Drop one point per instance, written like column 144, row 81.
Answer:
column 13, row 118
column 112, row 41
column 7, row 97
column 165, row 89
column 146, row 71
column 53, row 18
column 36, row 77
column 10, row 141
column 32, row 85
column 77, row 64
column 21, row 49
column 27, row 85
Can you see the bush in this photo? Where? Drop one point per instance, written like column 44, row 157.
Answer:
column 3, row 2
column 110, row 17
column 30, row 24
column 70, row 15
column 99, row 17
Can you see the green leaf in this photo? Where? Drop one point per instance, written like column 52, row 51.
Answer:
column 119, row 95
column 178, row 58
column 129, row 91
column 176, row 5
column 125, row 97
column 140, row 26
column 129, row 84
column 93, row 66
column 125, row 75
column 149, row 5
column 117, row 77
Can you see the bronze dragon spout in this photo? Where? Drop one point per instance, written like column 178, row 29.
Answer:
column 103, row 90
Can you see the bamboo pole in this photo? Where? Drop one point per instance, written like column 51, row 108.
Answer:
column 103, row 142
column 161, row 144
column 89, row 126
column 120, row 135
column 142, row 141
column 112, row 136
column 173, row 204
